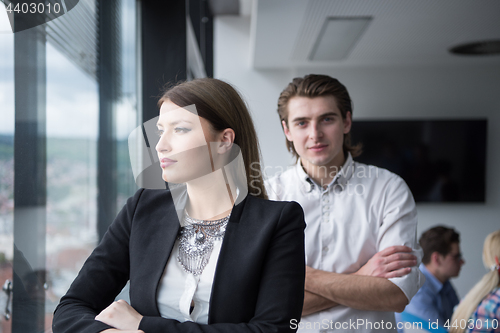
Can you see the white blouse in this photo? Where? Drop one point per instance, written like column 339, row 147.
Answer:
column 178, row 288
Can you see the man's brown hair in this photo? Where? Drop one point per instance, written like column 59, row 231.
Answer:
column 314, row 85
column 437, row 239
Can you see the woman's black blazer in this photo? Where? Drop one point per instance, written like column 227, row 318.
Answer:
column 259, row 279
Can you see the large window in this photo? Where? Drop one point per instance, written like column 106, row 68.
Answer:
column 6, row 160
column 71, row 91
column 83, row 103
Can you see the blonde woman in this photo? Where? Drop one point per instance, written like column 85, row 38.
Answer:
column 479, row 311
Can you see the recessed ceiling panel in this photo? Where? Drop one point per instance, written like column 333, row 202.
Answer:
column 337, row 37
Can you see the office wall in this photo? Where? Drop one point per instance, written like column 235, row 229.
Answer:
column 382, row 93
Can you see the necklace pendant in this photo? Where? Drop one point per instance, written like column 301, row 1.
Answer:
column 200, row 237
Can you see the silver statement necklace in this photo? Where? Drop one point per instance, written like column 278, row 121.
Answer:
column 196, row 240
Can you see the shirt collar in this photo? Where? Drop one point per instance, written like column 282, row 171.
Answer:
column 434, row 283
column 342, row 177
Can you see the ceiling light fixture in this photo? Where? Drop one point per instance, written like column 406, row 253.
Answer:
column 488, row 47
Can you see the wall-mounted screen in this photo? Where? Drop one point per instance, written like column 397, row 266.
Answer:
column 440, row 160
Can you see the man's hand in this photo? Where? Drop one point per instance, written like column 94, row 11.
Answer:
column 121, row 316
column 394, row 261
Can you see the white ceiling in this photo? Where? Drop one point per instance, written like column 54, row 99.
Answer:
column 402, row 32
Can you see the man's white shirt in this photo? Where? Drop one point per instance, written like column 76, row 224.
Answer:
column 364, row 210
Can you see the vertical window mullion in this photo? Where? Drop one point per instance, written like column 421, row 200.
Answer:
column 108, row 74
column 30, row 183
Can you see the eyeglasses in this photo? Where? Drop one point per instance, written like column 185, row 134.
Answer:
column 457, row 257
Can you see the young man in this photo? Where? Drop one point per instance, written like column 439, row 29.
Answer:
column 442, row 261
column 361, row 220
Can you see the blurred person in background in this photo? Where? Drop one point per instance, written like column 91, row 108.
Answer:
column 479, row 311
column 442, row 261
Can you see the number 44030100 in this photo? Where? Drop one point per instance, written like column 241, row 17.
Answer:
column 33, row 8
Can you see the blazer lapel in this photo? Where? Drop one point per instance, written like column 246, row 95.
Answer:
column 157, row 238
column 227, row 262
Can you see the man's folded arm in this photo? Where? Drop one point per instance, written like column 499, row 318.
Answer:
column 314, row 303
column 355, row 291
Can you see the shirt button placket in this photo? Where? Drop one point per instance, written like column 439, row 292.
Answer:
column 325, row 207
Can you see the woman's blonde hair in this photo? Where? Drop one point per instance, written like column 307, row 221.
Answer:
column 489, row 282
column 220, row 104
